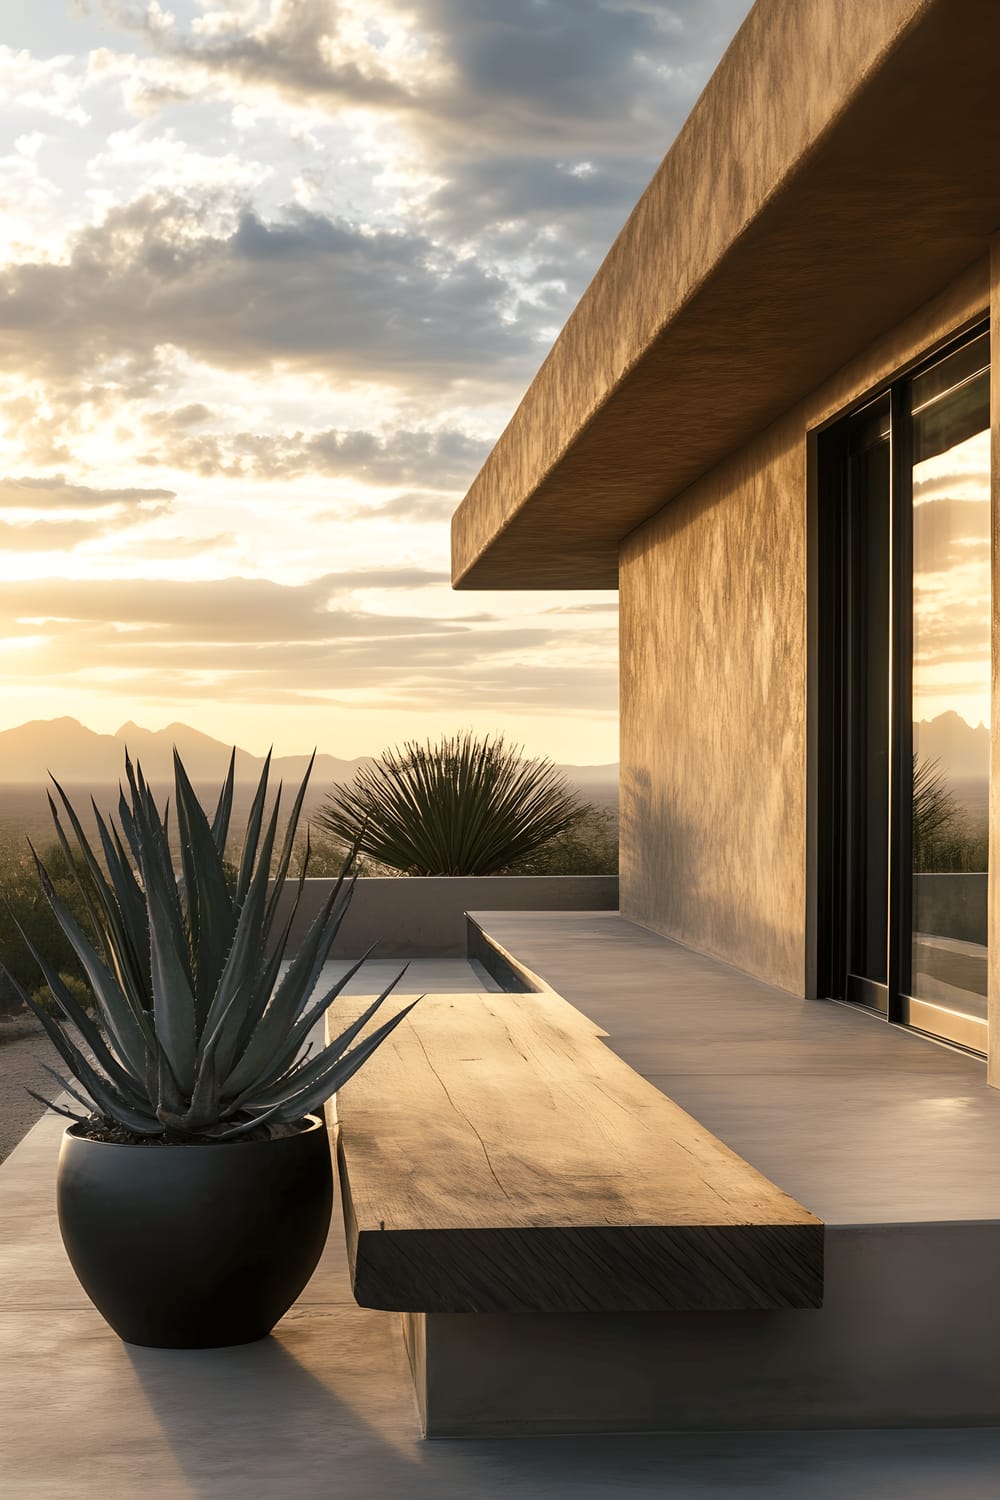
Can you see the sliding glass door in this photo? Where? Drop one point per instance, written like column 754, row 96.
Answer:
column 905, row 677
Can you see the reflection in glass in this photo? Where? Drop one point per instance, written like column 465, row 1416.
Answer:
column 951, row 681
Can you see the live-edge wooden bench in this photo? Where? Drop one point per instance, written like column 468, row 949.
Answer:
column 526, row 1201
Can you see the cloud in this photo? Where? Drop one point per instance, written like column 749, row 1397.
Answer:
column 77, row 513
column 248, row 610
column 305, row 290
column 414, row 506
column 255, row 641
column 596, row 607
column 445, row 459
column 163, row 547
column 55, row 492
column 50, row 86
column 534, row 120
column 579, row 72
column 305, row 50
column 45, row 536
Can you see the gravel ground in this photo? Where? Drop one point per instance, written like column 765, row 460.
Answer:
column 23, row 1047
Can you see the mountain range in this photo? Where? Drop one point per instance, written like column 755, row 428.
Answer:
column 76, row 755
column 962, row 752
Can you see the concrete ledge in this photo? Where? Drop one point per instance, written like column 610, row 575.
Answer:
column 906, row 1337
column 425, row 916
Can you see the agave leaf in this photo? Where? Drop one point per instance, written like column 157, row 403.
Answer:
column 105, row 1096
column 71, row 863
column 252, row 947
column 273, row 967
column 128, row 821
column 337, row 1074
column 155, row 865
column 270, row 1092
column 188, row 885
column 125, row 1081
column 299, row 979
column 344, row 874
column 110, row 922
column 120, row 1021
column 266, row 849
column 57, row 1109
column 135, row 914
column 262, row 984
column 244, row 956
column 284, row 859
column 153, row 841
column 129, row 942
column 90, row 859
column 170, row 1102
column 173, row 998
column 195, row 1006
column 252, row 835
column 224, row 808
column 264, row 1034
column 64, row 1083
column 308, row 1020
column 204, row 1108
column 208, row 1042
column 289, row 1045
column 211, row 917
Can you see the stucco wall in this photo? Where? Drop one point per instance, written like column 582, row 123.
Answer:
column 713, row 651
column 717, row 724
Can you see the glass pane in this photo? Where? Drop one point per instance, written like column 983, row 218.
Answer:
column 951, row 683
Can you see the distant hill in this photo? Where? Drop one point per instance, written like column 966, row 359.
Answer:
column 962, row 752
column 77, row 755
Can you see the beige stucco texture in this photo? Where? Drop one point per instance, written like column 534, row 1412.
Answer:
column 713, row 714
column 717, row 743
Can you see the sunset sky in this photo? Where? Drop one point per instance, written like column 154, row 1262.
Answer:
column 274, row 277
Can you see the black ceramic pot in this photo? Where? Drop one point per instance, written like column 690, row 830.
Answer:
column 194, row 1247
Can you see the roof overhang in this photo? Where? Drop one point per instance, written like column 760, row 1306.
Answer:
column 840, row 168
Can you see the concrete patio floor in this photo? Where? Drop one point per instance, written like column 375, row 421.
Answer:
column 325, row 1406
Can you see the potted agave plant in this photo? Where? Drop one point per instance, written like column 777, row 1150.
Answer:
column 195, row 1188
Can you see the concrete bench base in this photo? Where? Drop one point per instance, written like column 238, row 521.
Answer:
column 896, row 1344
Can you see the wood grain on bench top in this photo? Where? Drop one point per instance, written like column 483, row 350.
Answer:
column 495, row 1155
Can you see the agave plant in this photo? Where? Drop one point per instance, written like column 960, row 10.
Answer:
column 465, row 806
column 196, row 1032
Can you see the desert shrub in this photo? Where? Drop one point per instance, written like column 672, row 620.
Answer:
column 463, row 806
column 78, row 988
column 944, row 839
column 23, row 902
column 590, row 847
column 326, row 858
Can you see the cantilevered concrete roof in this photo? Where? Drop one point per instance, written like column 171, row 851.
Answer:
column 841, row 166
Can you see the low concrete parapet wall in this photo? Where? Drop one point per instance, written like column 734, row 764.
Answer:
column 416, row 916
column 951, row 905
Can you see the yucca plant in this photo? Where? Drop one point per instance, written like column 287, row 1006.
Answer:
column 465, row 806
column 196, row 1033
